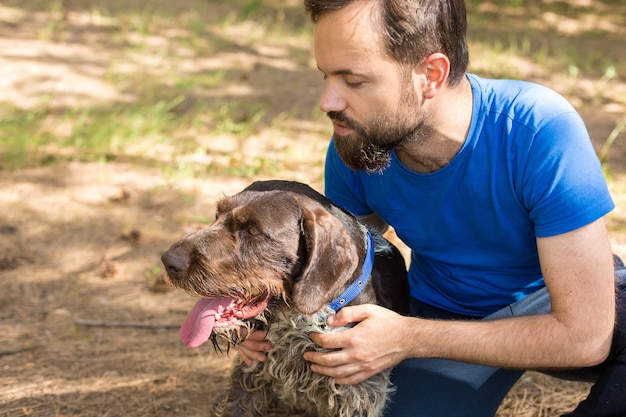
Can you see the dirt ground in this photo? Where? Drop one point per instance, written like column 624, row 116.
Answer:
column 88, row 327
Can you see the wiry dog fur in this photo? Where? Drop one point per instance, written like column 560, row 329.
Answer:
column 283, row 244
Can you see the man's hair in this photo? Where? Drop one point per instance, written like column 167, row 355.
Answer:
column 413, row 29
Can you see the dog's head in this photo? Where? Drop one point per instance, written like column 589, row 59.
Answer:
column 264, row 246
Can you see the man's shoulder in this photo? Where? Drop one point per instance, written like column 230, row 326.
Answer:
column 522, row 101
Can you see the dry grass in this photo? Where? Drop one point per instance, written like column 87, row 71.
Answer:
column 122, row 122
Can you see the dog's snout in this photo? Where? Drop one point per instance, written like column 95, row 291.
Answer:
column 176, row 263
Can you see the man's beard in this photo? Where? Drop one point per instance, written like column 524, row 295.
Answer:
column 369, row 148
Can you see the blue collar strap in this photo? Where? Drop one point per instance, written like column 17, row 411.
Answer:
column 357, row 286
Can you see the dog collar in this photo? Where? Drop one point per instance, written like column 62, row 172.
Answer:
column 357, row 286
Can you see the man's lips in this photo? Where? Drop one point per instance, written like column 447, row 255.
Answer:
column 341, row 129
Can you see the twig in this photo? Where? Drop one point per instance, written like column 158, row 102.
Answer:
column 138, row 324
column 610, row 139
column 17, row 350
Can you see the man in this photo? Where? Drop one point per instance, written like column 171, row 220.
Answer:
column 495, row 187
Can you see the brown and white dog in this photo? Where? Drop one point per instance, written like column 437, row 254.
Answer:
column 281, row 257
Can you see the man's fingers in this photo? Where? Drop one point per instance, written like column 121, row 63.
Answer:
column 329, row 340
column 343, row 374
column 354, row 378
column 326, row 360
column 330, row 363
column 245, row 357
column 347, row 315
column 251, row 355
column 254, row 348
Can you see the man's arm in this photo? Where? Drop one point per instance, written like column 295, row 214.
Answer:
column 374, row 221
column 579, row 274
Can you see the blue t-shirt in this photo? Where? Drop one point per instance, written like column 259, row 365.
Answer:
column 527, row 169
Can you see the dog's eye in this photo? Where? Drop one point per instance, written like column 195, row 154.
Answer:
column 253, row 231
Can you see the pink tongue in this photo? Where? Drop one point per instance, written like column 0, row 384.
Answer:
column 197, row 327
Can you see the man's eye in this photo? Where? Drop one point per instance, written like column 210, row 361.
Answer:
column 354, row 84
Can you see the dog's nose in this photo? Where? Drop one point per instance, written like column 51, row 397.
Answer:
column 176, row 263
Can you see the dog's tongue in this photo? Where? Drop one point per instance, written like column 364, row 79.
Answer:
column 198, row 325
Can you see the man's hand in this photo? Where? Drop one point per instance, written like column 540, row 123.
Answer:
column 578, row 271
column 254, row 348
column 370, row 347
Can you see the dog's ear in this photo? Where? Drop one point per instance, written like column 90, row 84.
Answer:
column 332, row 258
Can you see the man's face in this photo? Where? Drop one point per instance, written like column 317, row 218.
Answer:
column 371, row 100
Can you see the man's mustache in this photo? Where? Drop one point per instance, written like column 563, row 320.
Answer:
column 341, row 118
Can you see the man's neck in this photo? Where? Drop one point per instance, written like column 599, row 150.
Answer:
column 448, row 122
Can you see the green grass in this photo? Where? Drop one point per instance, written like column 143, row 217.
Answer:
column 36, row 136
column 171, row 107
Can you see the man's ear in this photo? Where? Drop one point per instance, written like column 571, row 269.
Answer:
column 436, row 69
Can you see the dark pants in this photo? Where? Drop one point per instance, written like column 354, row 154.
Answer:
column 444, row 388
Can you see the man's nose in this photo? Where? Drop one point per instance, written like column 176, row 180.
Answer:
column 331, row 99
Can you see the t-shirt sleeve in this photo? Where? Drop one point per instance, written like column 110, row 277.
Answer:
column 563, row 184
column 342, row 185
